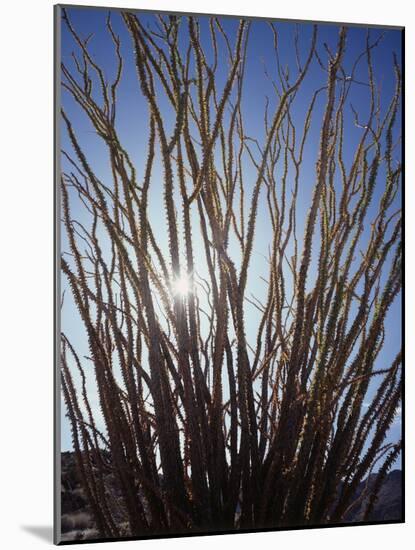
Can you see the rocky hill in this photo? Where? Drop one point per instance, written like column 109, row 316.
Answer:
column 78, row 524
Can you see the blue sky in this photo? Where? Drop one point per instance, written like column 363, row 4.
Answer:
column 132, row 126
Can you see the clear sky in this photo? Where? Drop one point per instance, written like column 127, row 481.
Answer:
column 132, row 126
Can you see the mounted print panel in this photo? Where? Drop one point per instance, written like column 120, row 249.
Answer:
column 229, row 271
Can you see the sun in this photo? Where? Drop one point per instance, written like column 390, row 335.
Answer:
column 181, row 286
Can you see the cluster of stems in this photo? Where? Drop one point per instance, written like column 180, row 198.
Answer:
column 201, row 423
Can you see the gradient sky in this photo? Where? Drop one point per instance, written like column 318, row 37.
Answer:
column 132, row 126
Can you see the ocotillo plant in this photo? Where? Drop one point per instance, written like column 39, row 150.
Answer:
column 203, row 422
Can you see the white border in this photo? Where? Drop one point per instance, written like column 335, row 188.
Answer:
column 26, row 274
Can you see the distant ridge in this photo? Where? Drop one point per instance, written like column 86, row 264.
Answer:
column 388, row 506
